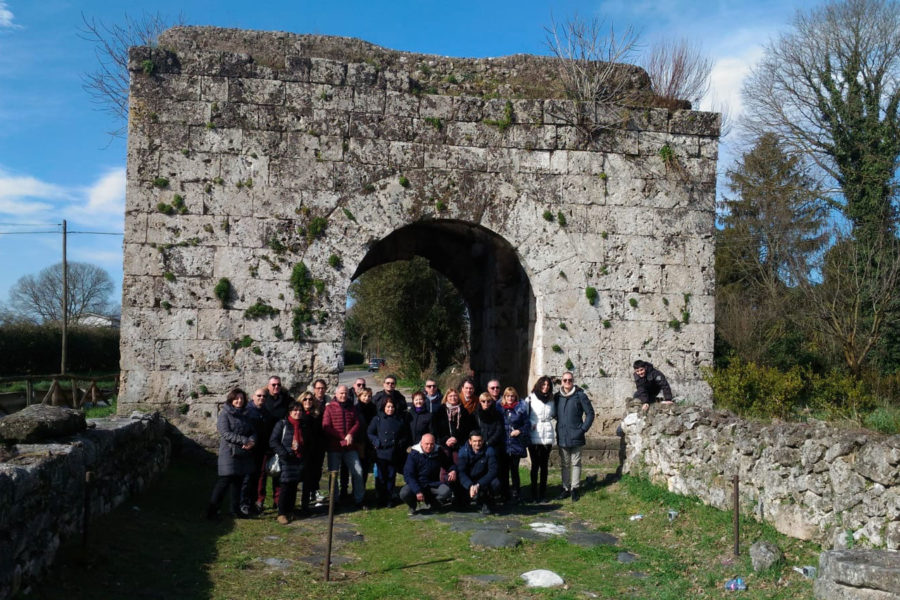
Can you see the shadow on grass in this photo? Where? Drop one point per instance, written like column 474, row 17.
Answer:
column 413, row 565
column 155, row 545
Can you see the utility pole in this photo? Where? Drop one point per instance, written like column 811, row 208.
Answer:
column 65, row 298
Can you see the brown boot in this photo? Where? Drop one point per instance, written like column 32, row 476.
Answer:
column 283, row 519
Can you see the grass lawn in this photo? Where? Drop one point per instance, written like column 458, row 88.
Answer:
column 159, row 546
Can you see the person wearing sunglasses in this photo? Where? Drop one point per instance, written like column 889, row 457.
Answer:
column 574, row 416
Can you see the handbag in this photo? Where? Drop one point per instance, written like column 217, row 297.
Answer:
column 273, row 465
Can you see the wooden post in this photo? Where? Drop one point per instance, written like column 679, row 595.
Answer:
column 29, row 392
column 75, row 403
column 737, row 514
column 65, row 301
column 332, row 480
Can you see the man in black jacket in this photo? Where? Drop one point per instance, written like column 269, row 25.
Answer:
column 422, row 474
column 275, row 405
column 477, row 472
column 389, row 389
column 574, row 416
column 649, row 383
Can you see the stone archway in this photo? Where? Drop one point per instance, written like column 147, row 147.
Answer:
column 286, row 163
column 486, row 270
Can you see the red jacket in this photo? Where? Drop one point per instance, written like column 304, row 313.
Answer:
column 339, row 420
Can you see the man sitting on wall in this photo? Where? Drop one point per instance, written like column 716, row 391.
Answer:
column 649, row 383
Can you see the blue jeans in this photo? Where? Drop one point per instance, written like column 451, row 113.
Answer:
column 350, row 458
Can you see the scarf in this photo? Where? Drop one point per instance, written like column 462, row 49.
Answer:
column 562, row 392
column 453, row 414
column 298, row 437
column 419, row 409
column 506, row 406
column 469, row 406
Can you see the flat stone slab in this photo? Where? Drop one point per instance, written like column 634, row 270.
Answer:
column 542, row 578
column 282, row 564
column 626, row 557
column 349, row 536
column 589, row 540
column 494, row 539
column 864, row 573
column 548, row 528
column 39, row 423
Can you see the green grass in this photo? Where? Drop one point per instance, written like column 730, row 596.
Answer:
column 158, row 546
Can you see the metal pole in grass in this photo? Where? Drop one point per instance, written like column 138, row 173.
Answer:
column 737, row 513
column 332, row 479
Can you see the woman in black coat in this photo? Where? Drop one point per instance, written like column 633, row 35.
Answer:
column 237, row 440
column 389, row 434
column 419, row 418
column 287, row 443
column 451, row 424
column 314, row 446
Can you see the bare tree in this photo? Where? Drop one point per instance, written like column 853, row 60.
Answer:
column 849, row 294
column 830, row 88
column 679, row 71
column 588, row 54
column 39, row 298
column 108, row 85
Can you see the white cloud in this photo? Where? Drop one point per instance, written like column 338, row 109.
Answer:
column 727, row 78
column 6, row 16
column 105, row 201
column 25, row 195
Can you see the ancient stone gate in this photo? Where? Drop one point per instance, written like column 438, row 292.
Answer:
column 267, row 170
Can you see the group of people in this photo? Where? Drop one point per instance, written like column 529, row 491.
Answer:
column 457, row 447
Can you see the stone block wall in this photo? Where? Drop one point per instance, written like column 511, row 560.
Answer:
column 810, row 481
column 42, row 489
column 250, row 153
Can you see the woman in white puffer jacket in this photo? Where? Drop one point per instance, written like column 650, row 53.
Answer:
column 543, row 435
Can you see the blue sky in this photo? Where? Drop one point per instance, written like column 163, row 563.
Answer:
column 57, row 162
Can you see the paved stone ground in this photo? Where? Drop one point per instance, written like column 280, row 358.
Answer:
column 511, row 526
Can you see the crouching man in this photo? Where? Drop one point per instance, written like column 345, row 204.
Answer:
column 422, row 474
column 476, row 470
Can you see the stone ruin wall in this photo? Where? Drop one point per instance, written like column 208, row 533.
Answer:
column 810, row 481
column 44, row 489
column 241, row 142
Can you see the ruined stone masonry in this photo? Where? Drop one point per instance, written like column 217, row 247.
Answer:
column 267, row 170
column 810, row 481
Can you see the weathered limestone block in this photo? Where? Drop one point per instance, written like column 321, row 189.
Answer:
column 858, row 574
column 40, row 422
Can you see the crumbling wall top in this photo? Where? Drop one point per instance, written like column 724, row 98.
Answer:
column 515, row 76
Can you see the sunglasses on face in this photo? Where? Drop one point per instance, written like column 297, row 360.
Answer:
column 568, row 380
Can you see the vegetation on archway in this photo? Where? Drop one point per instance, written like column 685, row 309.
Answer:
column 411, row 313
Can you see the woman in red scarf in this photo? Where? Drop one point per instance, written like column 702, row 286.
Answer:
column 287, row 443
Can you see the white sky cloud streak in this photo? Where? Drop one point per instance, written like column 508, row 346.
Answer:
column 6, row 15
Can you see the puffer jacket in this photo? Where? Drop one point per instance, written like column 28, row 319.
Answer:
column 574, row 416
column 280, row 442
column 235, row 431
column 490, row 423
column 516, row 417
column 543, row 432
column 419, row 424
column 651, row 384
column 480, row 468
column 339, row 420
column 389, row 435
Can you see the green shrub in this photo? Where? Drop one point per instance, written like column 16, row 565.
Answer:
column 885, row 419
column 591, row 294
column 839, row 396
column 260, row 310
column 756, row 391
column 548, row 216
column 556, row 348
column 34, row 349
column 223, row 291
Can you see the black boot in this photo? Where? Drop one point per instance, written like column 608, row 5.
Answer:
column 212, row 512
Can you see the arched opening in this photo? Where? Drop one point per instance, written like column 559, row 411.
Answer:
column 486, row 270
